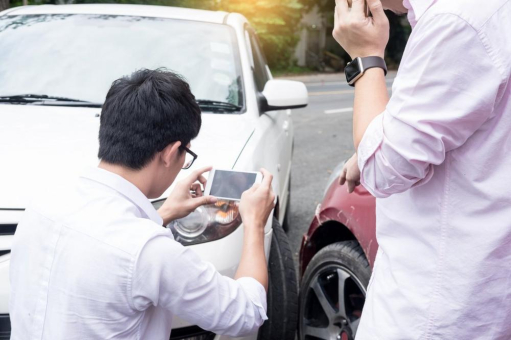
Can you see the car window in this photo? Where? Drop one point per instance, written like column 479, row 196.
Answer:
column 260, row 72
column 79, row 56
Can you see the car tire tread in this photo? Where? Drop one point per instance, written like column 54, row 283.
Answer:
column 283, row 290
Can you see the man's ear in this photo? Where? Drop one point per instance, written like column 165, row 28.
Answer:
column 170, row 154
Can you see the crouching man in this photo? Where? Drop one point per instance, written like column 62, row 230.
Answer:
column 96, row 263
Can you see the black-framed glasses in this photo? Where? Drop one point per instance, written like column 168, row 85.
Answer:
column 190, row 157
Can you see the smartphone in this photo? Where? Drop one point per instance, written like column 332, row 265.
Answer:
column 230, row 184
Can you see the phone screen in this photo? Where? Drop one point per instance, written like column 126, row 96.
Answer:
column 231, row 184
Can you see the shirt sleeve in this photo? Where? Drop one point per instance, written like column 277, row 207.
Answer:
column 445, row 90
column 172, row 276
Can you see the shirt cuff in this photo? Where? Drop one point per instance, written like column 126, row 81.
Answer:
column 371, row 141
column 377, row 172
column 256, row 293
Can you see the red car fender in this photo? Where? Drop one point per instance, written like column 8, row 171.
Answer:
column 355, row 211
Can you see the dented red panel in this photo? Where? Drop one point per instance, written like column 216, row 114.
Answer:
column 356, row 211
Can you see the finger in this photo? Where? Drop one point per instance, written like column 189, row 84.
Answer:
column 194, row 176
column 204, row 200
column 341, row 8
column 342, row 178
column 351, row 186
column 254, row 187
column 357, row 8
column 203, row 180
column 197, row 189
column 377, row 11
column 267, row 178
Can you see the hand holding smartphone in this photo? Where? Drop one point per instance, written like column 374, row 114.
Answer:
column 229, row 184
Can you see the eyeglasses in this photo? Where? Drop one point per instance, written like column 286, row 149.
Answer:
column 190, row 157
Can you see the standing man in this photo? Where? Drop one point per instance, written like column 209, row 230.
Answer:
column 437, row 156
column 96, row 263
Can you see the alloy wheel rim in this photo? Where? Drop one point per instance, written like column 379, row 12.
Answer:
column 333, row 304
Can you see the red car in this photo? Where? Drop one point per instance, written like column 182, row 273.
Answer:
column 336, row 258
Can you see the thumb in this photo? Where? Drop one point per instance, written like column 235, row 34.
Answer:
column 342, row 178
column 204, row 200
column 377, row 11
column 351, row 186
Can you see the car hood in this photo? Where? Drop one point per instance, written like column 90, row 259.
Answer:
column 44, row 148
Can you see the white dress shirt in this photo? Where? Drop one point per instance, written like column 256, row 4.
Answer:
column 97, row 264
column 439, row 162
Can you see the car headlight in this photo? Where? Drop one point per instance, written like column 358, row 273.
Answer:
column 207, row 223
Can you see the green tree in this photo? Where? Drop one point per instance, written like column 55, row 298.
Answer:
column 276, row 23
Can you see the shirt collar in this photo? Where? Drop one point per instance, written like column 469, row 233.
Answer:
column 126, row 188
column 416, row 8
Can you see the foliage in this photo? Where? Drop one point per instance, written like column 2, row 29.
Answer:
column 276, row 23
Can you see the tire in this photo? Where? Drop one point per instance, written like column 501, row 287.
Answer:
column 282, row 291
column 338, row 267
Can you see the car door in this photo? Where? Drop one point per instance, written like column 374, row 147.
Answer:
column 276, row 126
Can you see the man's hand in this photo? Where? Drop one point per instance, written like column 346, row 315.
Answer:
column 186, row 197
column 257, row 203
column 361, row 36
column 350, row 174
column 255, row 208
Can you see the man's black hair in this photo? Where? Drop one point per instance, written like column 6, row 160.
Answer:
column 143, row 114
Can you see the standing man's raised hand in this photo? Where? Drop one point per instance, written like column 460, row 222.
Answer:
column 359, row 35
column 350, row 173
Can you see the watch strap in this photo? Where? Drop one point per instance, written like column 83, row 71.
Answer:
column 372, row 62
column 361, row 65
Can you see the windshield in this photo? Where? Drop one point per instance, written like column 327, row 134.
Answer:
column 79, row 56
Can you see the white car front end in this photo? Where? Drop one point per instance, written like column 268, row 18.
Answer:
column 44, row 145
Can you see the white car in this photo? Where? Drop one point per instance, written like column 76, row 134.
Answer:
column 56, row 65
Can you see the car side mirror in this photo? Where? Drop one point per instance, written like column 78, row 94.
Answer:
column 283, row 94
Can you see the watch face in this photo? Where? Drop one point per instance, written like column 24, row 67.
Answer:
column 352, row 70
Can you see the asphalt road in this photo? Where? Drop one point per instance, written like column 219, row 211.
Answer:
column 323, row 139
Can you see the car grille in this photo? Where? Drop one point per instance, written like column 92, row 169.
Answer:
column 7, row 229
column 5, row 327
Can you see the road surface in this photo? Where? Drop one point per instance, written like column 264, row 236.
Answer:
column 323, row 139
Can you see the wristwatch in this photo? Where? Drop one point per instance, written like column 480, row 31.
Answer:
column 356, row 68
